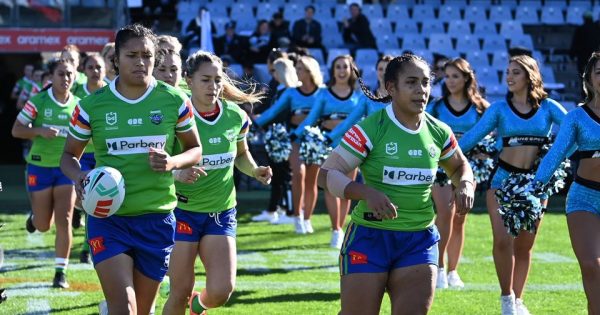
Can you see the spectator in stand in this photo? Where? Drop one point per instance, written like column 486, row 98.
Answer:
column 307, row 31
column 24, row 81
column 193, row 31
column 439, row 61
column 280, row 31
column 357, row 32
column 108, row 53
column 260, row 42
column 585, row 40
column 231, row 44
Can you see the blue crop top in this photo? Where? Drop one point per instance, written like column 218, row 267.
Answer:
column 366, row 107
column 580, row 130
column 516, row 128
column 330, row 106
column 460, row 122
column 294, row 100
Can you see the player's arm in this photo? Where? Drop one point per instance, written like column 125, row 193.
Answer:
column 23, row 129
column 459, row 170
column 245, row 162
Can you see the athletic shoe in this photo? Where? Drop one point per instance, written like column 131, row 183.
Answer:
column 60, row 280
column 454, row 280
column 521, row 308
column 442, row 279
column 84, row 257
column 29, row 223
column 194, row 304
column 265, row 216
column 76, row 222
column 308, row 227
column 508, row 305
column 299, row 225
column 283, row 219
column 337, row 239
column 103, row 308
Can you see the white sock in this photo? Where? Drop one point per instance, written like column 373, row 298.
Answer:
column 60, row 264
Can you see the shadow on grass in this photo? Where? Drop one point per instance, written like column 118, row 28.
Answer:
column 21, row 268
column 74, row 307
column 274, row 249
column 238, row 298
column 271, row 271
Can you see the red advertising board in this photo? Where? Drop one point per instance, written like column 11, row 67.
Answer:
column 48, row 39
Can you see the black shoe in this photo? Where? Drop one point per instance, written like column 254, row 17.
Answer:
column 60, row 280
column 29, row 223
column 76, row 222
column 84, row 257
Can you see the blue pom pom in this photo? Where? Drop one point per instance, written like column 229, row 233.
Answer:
column 520, row 207
column 313, row 147
column 277, row 143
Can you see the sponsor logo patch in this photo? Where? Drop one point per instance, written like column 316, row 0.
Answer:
column 111, row 118
column 156, row 117
column 48, row 112
column 391, row 148
column 135, row 145
column 217, row 161
column 97, row 244
column 134, row 121
column 401, row 176
column 32, row 180
column 415, row 153
column 432, row 150
column 355, row 139
column 357, row 258
column 184, row 228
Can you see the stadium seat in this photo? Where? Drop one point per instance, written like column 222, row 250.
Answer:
column 324, row 11
column 334, row 52
column 562, row 4
column 459, row 27
column 372, row 11
column 325, row 73
column 366, row 56
column 477, row 59
column 413, row 42
column 523, row 40
column 332, row 39
column 293, row 12
column 535, row 4
column 499, row 13
column 93, row 3
column 449, row 13
column 317, row 53
column 527, row 15
column 261, row 72
column 397, row 12
column 487, row 76
column 279, row 3
column 387, row 41
column 511, row 4
column 220, row 22
column 466, row 43
column 441, row 43
column 341, row 12
column 266, row 11
column 500, row 60
column 369, row 76
column 241, row 10
column 510, row 28
column 236, row 69
column 547, row 74
column 423, row 12
column 392, row 52
column 493, row 43
column 404, row 26
column 575, row 14
column 432, row 27
column 425, row 54
column 215, row 9
column 245, row 25
column 485, row 28
column 552, row 15
column 475, row 13
column 381, row 26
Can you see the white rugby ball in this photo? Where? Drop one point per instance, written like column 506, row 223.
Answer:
column 103, row 192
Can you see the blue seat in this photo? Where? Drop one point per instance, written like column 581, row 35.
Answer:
column 552, row 15
column 432, row 27
column 398, row 12
column 475, row 13
column 493, row 43
column 372, row 11
column 527, row 15
column 413, row 42
column 441, row 43
column 406, row 26
column 449, row 12
column 467, row 43
column 499, row 13
column 459, row 27
column 510, row 28
column 423, row 12
column 335, row 52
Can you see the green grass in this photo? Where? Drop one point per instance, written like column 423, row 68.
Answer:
column 283, row 273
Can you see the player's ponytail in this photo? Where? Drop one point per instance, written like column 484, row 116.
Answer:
column 231, row 91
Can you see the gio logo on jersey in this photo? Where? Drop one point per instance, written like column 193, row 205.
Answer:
column 135, row 145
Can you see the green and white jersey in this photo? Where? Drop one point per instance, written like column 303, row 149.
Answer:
column 43, row 110
column 216, row 191
column 82, row 92
column 124, row 130
column 401, row 163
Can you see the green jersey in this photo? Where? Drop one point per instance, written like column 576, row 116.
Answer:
column 82, row 92
column 216, row 191
column 43, row 110
column 401, row 163
column 124, row 130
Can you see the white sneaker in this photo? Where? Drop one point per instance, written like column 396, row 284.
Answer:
column 299, row 225
column 265, row 216
column 282, row 219
column 454, row 280
column 103, row 308
column 521, row 308
column 308, row 227
column 442, row 279
column 337, row 239
column 508, row 305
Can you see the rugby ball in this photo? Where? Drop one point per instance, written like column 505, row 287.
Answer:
column 103, row 192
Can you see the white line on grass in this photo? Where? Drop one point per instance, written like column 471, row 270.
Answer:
column 38, row 307
column 35, row 239
column 37, row 289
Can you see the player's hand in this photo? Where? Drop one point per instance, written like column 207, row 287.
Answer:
column 160, row 160
column 463, row 197
column 48, row 132
column 80, row 183
column 189, row 175
column 263, row 174
column 380, row 205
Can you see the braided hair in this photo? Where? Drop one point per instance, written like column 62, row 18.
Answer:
column 394, row 67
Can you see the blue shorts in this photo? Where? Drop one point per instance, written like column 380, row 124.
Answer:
column 370, row 250
column 192, row 226
column 39, row 177
column 147, row 238
column 87, row 161
column 582, row 198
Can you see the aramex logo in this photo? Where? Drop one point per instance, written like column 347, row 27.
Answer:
column 400, row 176
column 135, row 145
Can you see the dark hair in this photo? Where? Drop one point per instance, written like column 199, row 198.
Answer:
column 354, row 74
column 354, row 4
column 89, row 57
column 471, row 88
column 588, row 88
column 393, row 69
column 310, row 6
column 129, row 32
column 383, row 58
column 275, row 54
column 54, row 63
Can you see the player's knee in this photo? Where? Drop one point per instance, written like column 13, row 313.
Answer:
column 219, row 295
column 181, row 292
column 41, row 225
column 503, row 244
column 590, row 266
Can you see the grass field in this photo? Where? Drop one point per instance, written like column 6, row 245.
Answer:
column 280, row 272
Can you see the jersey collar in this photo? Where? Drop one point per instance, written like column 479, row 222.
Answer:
column 51, row 94
column 113, row 88
column 197, row 114
column 390, row 112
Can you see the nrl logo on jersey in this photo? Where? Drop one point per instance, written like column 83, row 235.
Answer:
column 156, row 117
column 391, row 148
column 48, row 112
column 111, row 118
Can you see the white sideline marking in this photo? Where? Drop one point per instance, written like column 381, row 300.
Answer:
column 35, row 239
column 38, row 307
column 529, row 287
column 552, row 258
column 38, row 289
